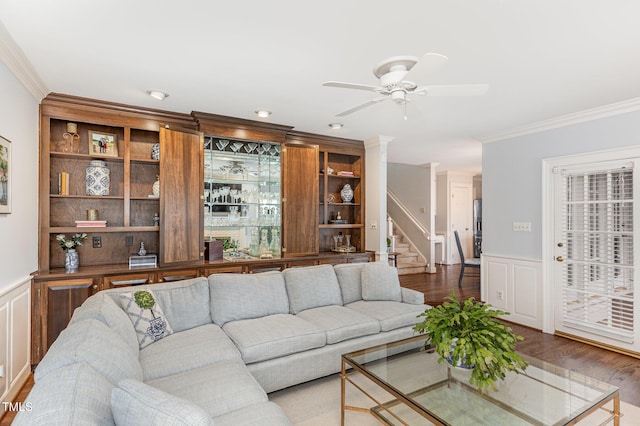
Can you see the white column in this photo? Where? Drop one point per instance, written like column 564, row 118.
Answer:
column 376, row 195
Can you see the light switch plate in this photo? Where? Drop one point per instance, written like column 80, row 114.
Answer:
column 521, row 226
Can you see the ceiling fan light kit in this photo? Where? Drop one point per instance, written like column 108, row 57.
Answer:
column 398, row 77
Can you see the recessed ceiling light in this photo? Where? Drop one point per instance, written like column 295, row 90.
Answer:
column 263, row 113
column 336, row 126
column 157, row 94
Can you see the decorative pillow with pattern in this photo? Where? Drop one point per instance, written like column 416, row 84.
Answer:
column 146, row 315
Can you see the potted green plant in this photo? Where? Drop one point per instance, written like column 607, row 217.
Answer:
column 470, row 335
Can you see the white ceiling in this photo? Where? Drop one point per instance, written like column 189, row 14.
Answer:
column 542, row 59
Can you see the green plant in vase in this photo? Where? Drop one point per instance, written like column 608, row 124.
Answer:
column 469, row 334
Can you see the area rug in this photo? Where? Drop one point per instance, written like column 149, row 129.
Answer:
column 317, row 403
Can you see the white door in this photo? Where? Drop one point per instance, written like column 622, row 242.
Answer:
column 461, row 221
column 593, row 272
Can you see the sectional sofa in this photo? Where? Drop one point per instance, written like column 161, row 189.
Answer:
column 210, row 349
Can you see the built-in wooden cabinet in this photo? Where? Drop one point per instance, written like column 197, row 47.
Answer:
column 171, row 224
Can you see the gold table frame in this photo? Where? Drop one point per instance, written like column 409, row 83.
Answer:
column 351, row 367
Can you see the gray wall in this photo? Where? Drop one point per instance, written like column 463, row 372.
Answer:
column 512, row 178
column 412, row 185
column 19, row 230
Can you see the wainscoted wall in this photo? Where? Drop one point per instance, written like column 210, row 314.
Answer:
column 15, row 337
column 513, row 285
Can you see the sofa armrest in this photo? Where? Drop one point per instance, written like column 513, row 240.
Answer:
column 413, row 297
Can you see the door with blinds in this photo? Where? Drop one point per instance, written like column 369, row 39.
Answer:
column 594, row 268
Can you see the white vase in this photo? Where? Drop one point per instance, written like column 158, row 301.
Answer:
column 346, row 193
column 97, row 178
column 71, row 261
column 156, row 187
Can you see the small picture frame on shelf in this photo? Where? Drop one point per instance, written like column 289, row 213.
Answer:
column 5, row 175
column 103, row 144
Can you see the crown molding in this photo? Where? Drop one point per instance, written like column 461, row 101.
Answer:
column 609, row 110
column 13, row 57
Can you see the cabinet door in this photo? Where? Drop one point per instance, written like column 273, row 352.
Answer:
column 301, row 200
column 53, row 306
column 181, row 192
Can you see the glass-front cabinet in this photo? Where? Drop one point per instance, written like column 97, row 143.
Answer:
column 242, row 197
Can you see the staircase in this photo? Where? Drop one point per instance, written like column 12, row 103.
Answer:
column 408, row 260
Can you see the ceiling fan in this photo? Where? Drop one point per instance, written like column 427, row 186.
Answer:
column 399, row 79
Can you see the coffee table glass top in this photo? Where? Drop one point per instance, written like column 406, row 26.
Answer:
column 544, row 395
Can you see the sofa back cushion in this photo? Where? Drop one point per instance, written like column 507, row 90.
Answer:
column 102, row 307
column 380, row 282
column 96, row 344
column 311, row 287
column 136, row 403
column 349, row 279
column 243, row 296
column 72, row 395
column 185, row 305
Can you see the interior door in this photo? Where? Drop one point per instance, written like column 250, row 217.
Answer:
column 461, row 221
column 181, row 196
column 594, row 273
column 300, row 200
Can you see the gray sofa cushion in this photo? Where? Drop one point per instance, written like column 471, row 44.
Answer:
column 218, row 388
column 261, row 414
column 273, row 336
column 75, row 394
column 242, row 296
column 186, row 306
column 414, row 297
column 391, row 314
column 103, row 308
column 311, row 287
column 135, row 403
column 186, row 350
column 96, row 344
column 349, row 279
column 340, row 323
column 380, row 282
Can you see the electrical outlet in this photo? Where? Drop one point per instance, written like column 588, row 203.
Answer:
column 521, row 226
column 97, row 242
column 500, row 295
column 128, row 240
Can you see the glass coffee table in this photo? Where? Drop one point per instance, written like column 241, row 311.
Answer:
column 410, row 387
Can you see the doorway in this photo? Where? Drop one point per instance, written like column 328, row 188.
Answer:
column 588, row 248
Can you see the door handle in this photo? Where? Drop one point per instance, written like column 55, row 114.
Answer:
column 560, row 259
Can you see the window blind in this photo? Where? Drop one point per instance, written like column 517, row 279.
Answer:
column 598, row 270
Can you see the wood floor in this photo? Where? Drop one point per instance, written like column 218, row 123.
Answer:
column 620, row 370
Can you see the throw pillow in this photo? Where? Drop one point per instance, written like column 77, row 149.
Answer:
column 146, row 315
column 380, row 282
column 136, row 403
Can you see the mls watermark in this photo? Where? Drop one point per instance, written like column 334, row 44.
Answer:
column 17, row 406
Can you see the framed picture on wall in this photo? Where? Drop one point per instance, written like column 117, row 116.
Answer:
column 103, row 144
column 5, row 175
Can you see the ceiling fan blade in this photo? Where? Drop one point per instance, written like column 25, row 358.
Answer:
column 453, row 90
column 425, row 66
column 344, row 85
column 361, row 106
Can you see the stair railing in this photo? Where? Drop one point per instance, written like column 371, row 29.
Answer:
column 415, row 233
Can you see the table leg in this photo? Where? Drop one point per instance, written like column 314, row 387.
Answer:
column 616, row 410
column 342, row 389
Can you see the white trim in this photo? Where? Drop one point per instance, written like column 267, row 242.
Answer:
column 13, row 57
column 548, row 166
column 596, row 113
column 8, row 289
